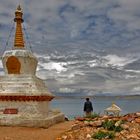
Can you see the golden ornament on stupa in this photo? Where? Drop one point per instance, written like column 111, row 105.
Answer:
column 19, row 41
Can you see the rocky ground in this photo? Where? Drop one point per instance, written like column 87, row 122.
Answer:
column 96, row 127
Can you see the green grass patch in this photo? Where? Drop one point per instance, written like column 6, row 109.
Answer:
column 93, row 115
column 112, row 125
column 101, row 134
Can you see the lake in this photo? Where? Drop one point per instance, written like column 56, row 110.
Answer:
column 73, row 107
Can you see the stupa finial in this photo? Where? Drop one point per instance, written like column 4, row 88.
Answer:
column 19, row 7
column 19, row 41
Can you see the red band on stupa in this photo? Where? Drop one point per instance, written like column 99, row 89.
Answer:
column 25, row 98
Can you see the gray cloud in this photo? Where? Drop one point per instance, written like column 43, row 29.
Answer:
column 83, row 45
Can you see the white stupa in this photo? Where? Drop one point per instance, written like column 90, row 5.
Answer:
column 24, row 98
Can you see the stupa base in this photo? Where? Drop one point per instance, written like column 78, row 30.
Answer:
column 32, row 120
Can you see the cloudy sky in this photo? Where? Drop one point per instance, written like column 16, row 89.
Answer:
column 89, row 46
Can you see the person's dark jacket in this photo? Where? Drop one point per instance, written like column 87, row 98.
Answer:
column 88, row 106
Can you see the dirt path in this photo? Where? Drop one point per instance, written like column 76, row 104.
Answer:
column 23, row 133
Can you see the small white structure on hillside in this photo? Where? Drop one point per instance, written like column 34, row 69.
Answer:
column 113, row 109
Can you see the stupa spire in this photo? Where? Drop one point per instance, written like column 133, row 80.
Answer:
column 19, row 41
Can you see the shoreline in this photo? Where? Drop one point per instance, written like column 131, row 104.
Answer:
column 73, row 107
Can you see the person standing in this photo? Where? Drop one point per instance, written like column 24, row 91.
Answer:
column 88, row 108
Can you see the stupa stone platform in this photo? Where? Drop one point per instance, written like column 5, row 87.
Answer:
column 24, row 98
column 31, row 120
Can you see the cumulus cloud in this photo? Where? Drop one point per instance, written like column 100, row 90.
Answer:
column 127, row 11
column 115, row 60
